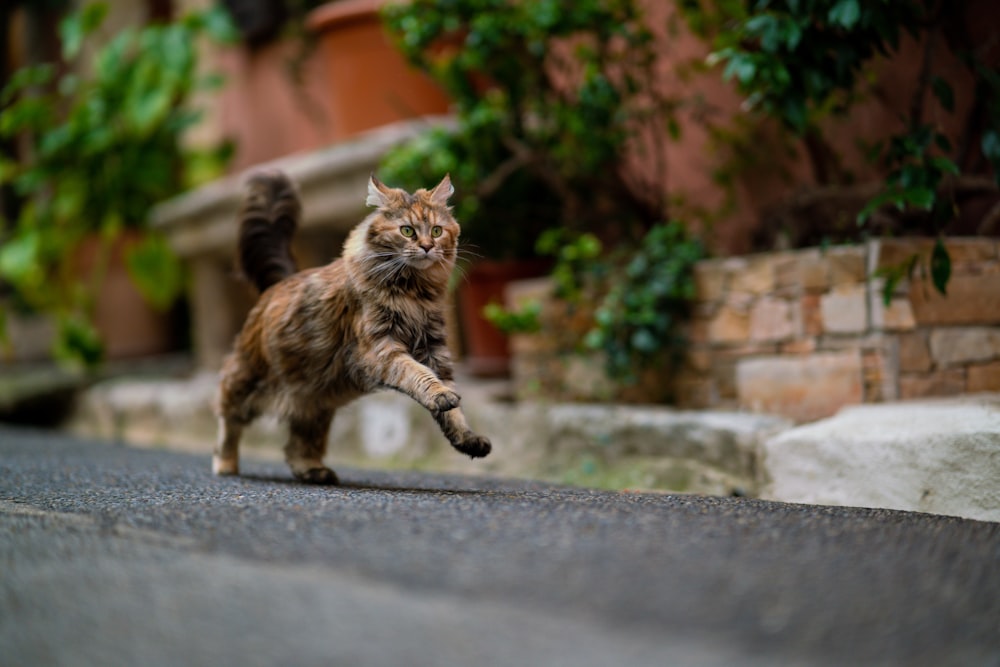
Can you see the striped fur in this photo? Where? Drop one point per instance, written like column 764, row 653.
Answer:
column 317, row 339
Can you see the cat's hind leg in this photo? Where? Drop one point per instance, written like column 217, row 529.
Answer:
column 226, row 458
column 307, row 436
column 238, row 405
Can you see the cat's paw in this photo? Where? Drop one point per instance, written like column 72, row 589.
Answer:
column 225, row 467
column 321, row 475
column 475, row 446
column 445, row 401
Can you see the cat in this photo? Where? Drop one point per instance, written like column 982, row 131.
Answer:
column 318, row 339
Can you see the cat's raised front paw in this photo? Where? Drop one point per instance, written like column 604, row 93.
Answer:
column 475, row 446
column 446, row 400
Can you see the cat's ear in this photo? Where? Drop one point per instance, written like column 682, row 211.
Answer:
column 378, row 194
column 439, row 195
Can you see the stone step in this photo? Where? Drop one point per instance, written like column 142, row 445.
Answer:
column 940, row 456
column 606, row 446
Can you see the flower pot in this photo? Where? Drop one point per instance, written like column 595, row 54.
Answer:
column 487, row 349
column 129, row 327
column 370, row 84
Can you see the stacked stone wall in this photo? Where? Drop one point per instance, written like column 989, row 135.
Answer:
column 803, row 333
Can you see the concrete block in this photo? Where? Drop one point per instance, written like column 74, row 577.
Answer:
column 934, row 456
column 709, row 280
column 897, row 316
column 771, row 319
column 814, row 270
column 971, row 299
column 847, row 265
column 811, row 314
column 983, row 377
column 757, row 278
column 947, row 382
column 845, row 310
column 914, row 353
column 729, row 325
column 801, row 388
column 961, row 345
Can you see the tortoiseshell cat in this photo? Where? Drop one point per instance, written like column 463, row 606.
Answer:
column 320, row 338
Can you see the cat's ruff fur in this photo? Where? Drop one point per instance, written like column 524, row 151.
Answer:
column 317, row 339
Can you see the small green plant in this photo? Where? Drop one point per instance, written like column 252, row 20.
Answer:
column 639, row 318
column 523, row 320
column 103, row 145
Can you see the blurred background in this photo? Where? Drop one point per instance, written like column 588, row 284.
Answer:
column 662, row 201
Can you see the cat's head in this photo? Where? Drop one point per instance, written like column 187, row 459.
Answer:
column 416, row 230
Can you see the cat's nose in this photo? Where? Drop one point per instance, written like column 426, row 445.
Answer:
column 427, row 247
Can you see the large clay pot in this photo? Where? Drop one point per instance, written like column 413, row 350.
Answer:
column 487, row 349
column 128, row 325
column 370, row 84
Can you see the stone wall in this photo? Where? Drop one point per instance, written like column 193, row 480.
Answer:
column 797, row 333
column 803, row 333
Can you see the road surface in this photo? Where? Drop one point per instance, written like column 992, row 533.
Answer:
column 111, row 555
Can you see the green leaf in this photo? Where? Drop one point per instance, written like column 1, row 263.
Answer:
column 944, row 165
column 920, row 197
column 644, row 341
column 156, row 271
column 845, row 13
column 894, row 274
column 19, row 257
column 942, row 90
column 940, row 267
column 78, row 342
column 26, row 77
column 991, row 149
column 75, row 27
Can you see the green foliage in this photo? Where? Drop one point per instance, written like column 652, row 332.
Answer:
column 915, row 173
column 104, row 144
column 937, row 266
column 577, row 260
column 547, row 95
column 797, row 60
column 523, row 320
column 638, row 319
column 801, row 61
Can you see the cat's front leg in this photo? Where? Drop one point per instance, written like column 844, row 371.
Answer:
column 461, row 437
column 452, row 422
column 395, row 368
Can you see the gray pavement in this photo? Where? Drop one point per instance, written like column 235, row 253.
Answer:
column 117, row 556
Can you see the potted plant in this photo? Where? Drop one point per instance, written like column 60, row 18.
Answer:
column 101, row 144
column 548, row 96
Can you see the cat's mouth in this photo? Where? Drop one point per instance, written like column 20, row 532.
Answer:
column 421, row 261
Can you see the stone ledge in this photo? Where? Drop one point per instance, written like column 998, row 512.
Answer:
column 940, row 456
column 594, row 445
column 332, row 182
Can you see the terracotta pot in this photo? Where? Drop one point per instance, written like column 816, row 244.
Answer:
column 487, row 349
column 128, row 325
column 370, row 84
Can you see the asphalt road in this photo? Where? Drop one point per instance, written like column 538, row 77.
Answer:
column 117, row 556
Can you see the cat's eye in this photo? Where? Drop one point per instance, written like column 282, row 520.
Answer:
column 436, row 231
column 407, row 231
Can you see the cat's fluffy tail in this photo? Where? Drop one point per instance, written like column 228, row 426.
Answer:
column 268, row 220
